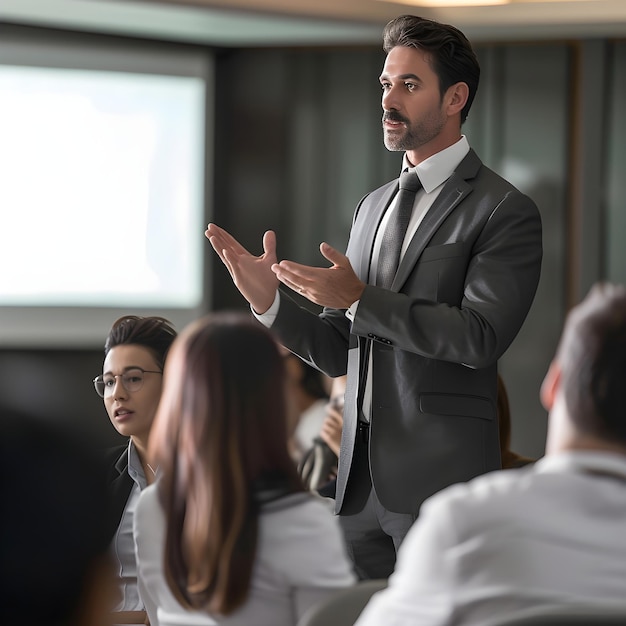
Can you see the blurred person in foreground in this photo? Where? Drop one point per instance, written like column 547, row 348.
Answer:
column 543, row 537
column 55, row 566
column 228, row 534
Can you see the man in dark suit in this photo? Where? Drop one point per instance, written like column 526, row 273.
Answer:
column 421, row 351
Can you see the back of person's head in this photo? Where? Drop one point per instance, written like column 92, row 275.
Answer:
column 154, row 333
column 220, row 439
column 451, row 54
column 54, row 563
column 592, row 360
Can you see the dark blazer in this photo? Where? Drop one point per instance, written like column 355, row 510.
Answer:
column 119, row 484
column 460, row 296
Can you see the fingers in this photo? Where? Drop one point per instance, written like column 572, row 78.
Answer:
column 222, row 240
column 333, row 255
column 269, row 243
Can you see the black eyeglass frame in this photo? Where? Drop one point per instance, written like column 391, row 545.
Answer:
column 99, row 380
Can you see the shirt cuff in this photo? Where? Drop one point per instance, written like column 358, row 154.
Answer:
column 267, row 318
column 351, row 312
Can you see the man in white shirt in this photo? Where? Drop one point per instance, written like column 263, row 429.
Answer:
column 543, row 537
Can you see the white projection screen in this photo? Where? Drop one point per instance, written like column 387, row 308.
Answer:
column 103, row 161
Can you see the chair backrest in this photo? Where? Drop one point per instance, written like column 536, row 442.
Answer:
column 574, row 616
column 344, row 607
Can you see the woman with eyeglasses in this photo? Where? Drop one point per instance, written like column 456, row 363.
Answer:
column 130, row 385
column 228, row 534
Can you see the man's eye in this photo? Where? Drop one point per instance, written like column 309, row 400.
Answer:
column 410, row 86
column 384, row 86
column 109, row 382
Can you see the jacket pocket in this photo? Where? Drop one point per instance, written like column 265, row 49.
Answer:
column 459, row 405
column 446, row 251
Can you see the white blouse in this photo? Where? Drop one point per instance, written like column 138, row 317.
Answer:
column 301, row 559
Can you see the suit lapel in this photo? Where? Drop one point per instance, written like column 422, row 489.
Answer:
column 455, row 190
column 364, row 231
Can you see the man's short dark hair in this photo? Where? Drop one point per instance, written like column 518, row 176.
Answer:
column 592, row 358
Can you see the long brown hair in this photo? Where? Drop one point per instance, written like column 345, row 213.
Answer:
column 220, row 439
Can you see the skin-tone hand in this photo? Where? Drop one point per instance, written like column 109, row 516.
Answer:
column 251, row 274
column 336, row 286
column 332, row 427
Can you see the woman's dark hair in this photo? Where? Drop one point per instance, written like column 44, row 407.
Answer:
column 220, row 439
column 451, row 54
column 154, row 333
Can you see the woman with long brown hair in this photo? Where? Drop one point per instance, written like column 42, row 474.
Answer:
column 228, row 534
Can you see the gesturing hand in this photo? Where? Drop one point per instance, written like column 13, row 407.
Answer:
column 336, row 286
column 252, row 275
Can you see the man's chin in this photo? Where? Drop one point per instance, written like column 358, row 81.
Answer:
column 394, row 145
column 395, row 140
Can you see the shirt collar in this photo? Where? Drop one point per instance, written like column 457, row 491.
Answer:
column 135, row 469
column 582, row 461
column 436, row 170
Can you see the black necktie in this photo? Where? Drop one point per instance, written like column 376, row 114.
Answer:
column 391, row 244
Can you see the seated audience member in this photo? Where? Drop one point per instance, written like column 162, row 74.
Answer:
column 510, row 459
column 227, row 534
column 318, row 467
column 545, row 537
column 130, row 385
column 308, row 395
column 55, row 566
column 333, row 422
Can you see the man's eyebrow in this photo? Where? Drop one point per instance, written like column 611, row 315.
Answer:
column 414, row 77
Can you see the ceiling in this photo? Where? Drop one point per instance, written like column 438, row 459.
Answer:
column 315, row 22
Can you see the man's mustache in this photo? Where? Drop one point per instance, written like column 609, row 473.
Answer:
column 391, row 116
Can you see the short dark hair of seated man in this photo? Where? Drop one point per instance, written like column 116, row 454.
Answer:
column 55, row 569
column 547, row 537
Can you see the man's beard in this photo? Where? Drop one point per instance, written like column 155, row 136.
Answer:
column 412, row 136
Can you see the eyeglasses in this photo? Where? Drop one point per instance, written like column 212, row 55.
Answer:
column 132, row 380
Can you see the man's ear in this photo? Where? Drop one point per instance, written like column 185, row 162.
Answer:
column 456, row 97
column 550, row 385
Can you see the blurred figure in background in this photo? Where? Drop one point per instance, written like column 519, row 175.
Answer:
column 510, row 459
column 228, row 534
column 55, row 566
column 130, row 385
column 308, row 395
column 318, row 467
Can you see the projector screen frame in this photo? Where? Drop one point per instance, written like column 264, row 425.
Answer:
column 85, row 326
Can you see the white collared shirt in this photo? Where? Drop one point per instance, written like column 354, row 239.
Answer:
column 123, row 544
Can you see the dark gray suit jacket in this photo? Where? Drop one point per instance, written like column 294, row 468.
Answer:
column 460, row 296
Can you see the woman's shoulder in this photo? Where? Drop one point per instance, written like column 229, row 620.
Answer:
column 301, row 519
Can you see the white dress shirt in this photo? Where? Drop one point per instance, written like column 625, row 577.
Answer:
column 513, row 542
column 123, row 543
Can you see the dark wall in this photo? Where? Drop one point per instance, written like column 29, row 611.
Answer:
column 56, row 385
